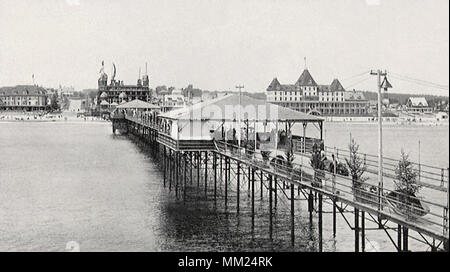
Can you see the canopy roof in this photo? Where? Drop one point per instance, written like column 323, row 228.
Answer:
column 226, row 108
column 137, row 104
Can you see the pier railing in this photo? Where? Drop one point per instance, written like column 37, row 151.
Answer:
column 427, row 213
column 428, row 176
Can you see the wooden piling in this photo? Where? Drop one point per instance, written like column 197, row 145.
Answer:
column 356, row 229
column 206, row 174
column 270, row 207
column 363, row 231
column 292, row 217
column 238, row 186
column 253, row 197
column 320, row 223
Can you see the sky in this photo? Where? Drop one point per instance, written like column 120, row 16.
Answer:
column 216, row 45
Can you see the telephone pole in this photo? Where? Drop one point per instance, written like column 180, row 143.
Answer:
column 385, row 84
column 240, row 87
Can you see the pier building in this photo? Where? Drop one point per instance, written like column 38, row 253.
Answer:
column 305, row 95
column 24, row 98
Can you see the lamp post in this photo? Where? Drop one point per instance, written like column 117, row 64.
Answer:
column 381, row 85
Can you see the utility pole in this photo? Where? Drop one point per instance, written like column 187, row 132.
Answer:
column 380, row 85
column 240, row 87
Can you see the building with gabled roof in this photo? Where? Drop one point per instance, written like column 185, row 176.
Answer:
column 306, row 79
column 307, row 96
column 418, row 105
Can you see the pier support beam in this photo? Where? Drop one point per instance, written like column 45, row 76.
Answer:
column 270, row 207
column 405, row 239
column 320, row 223
column 176, row 173
column 399, row 238
column 215, row 174
column 164, row 165
column 253, row 197
column 206, row 174
column 170, row 170
column 292, row 217
column 363, row 231
column 226, row 181
column 275, row 192
column 198, row 168
column 261, row 184
column 184, row 175
column 334, row 218
column 310, row 205
column 356, row 214
column 238, row 186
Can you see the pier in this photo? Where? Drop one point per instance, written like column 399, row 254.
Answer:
column 216, row 147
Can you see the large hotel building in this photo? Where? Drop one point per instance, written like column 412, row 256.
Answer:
column 24, row 98
column 116, row 92
column 307, row 96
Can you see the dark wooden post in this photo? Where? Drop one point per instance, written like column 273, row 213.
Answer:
column 275, row 192
column 238, row 186
column 270, row 206
column 334, row 217
column 292, row 217
column 206, row 174
column 356, row 229
column 310, row 205
column 226, row 181
column 261, row 184
column 164, row 165
column 215, row 174
column 184, row 175
column 176, row 174
column 399, row 238
column 253, row 197
column 198, row 168
column 191, row 162
column 320, row 223
column 405, row 239
column 363, row 231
